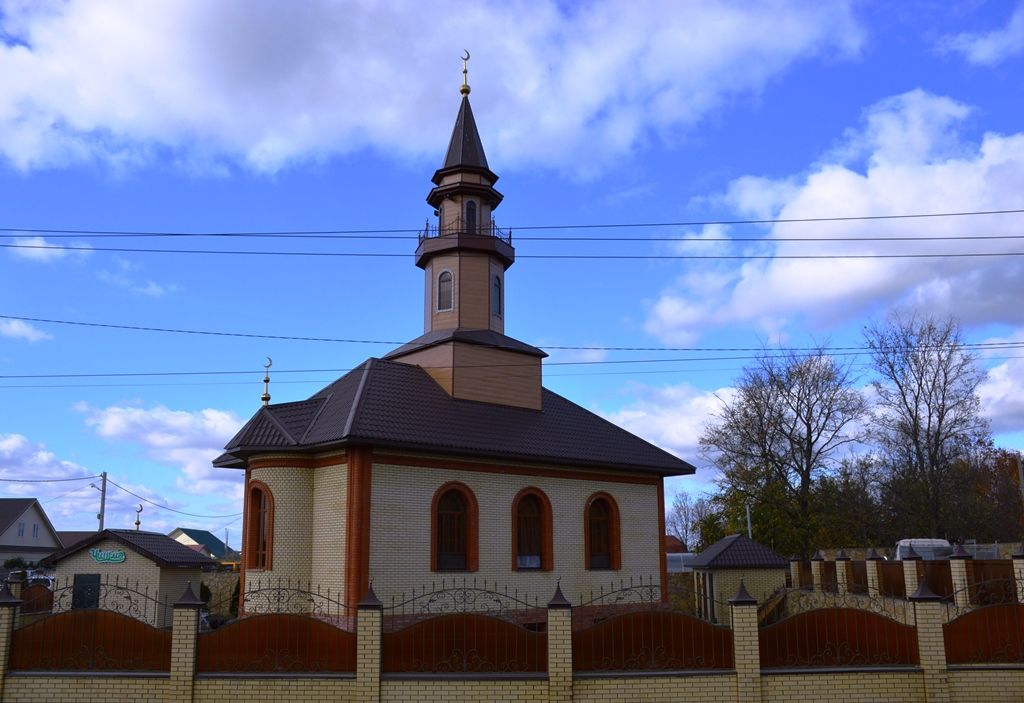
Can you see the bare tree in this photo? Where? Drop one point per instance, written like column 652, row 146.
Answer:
column 927, row 413
column 680, row 519
column 791, row 415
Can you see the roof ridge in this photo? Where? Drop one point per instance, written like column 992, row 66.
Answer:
column 28, row 504
column 357, row 399
column 316, row 416
column 277, row 423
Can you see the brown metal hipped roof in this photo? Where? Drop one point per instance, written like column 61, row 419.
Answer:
column 154, row 545
column 738, row 552
column 388, row 404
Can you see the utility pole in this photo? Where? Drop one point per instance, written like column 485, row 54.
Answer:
column 750, row 531
column 103, row 499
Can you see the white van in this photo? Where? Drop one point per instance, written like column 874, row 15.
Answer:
column 925, row 548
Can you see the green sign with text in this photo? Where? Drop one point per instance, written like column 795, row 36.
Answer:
column 107, row 556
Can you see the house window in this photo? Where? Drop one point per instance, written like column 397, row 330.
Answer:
column 454, row 529
column 496, row 296
column 601, row 530
column 444, row 291
column 85, row 591
column 260, row 527
column 35, row 531
column 531, row 531
column 470, row 217
column 21, row 529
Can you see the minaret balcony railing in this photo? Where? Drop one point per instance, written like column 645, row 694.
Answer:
column 458, row 227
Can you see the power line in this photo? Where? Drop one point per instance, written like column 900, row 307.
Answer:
column 343, row 340
column 164, row 507
column 46, row 480
column 616, row 225
column 575, row 257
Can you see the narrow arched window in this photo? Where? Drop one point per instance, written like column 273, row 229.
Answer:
column 454, row 527
column 531, row 531
column 444, row 291
column 259, row 527
column 602, row 533
column 496, row 296
column 471, row 222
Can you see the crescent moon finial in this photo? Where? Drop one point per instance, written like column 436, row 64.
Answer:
column 466, row 57
column 270, row 362
column 465, row 74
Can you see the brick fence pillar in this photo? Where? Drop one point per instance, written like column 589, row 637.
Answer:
column 370, row 629
column 816, row 567
column 871, row 567
column 746, row 650
column 559, row 648
column 841, row 560
column 794, row 571
column 931, row 646
column 8, row 613
column 184, row 630
column 1018, row 572
column 958, row 570
column 910, row 580
column 17, row 588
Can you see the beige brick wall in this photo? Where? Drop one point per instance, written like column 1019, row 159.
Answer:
column 173, row 582
column 400, row 531
column 90, row 689
column 292, row 489
column 463, row 691
column 134, row 568
column 213, row 690
column 760, row 583
column 657, row 689
column 862, row 687
column 330, row 495
column 986, row 686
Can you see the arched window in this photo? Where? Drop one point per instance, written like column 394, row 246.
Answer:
column 531, row 531
column 454, row 529
column 444, row 291
column 496, row 296
column 601, row 532
column 259, row 540
column 471, row 222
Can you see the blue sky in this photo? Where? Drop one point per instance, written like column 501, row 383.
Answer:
column 264, row 116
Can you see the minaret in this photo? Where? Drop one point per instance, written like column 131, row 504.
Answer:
column 464, row 257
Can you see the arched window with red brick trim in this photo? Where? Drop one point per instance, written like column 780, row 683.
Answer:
column 601, row 533
column 454, row 529
column 531, row 531
column 259, row 543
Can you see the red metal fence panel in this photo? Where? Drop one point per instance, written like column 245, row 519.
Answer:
column 277, row 642
column 806, row 577
column 991, row 581
column 90, row 640
column 465, row 643
column 890, row 579
column 989, row 635
column 828, row 576
column 36, row 599
column 652, row 640
column 937, row 574
column 857, row 576
column 838, row 637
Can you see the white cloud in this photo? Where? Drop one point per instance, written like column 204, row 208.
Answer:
column 187, row 440
column 265, row 83
column 121, row 278
column 19, row 329
column 41, row 250
column 990, row 48
column 908, row 156
column 1002, row 392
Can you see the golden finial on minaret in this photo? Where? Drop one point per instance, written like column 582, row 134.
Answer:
column 465, row 74
column 266, row 382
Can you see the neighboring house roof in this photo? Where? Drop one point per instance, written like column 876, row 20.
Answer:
column 153, row 545
column 389, row 404
column 13, row 508
column 738, row 552
column 207, row 539
column 70, row 538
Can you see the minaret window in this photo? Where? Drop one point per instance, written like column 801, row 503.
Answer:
column 496, row 296
column 444, row 291
column 471, row 217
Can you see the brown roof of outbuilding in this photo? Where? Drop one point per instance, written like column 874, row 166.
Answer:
column 389, row 404
column 738, row 552
column 153, row 545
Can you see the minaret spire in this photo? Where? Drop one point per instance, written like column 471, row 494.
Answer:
column 266, row 382
column 465, row 74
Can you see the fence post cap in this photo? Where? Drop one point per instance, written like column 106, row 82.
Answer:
column 795, row 557
column 873, row 555
column 842, row 556
column 924, row 594
column 818, row 556
column 742, row 596
column 189, row 599
column 7, row 599
column 370, row 601
column 961, row 553
column 559, row 600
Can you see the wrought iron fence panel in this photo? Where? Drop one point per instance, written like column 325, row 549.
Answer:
column 992, row 634
column 116, row 595
column 464, row 626
column 991, row 581
column 277, row 643
column 823, row 629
